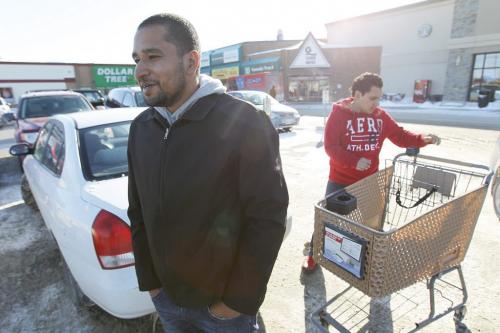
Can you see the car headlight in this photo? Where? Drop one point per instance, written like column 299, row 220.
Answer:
column 30, row 137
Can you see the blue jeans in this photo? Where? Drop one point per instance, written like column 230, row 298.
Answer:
column 330, row 188
column 176, row 319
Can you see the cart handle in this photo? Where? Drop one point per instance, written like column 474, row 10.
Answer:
column 413, row 152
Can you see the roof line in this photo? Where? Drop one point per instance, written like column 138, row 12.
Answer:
column 387, row 11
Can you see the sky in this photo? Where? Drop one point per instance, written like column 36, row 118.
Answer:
column 102, row 31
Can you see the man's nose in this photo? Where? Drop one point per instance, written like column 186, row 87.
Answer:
column 141, row 70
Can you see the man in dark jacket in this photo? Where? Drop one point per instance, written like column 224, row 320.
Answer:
column 207, row 197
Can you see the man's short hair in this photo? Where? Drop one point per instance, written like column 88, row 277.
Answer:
column 180, row 31
column 364, row 83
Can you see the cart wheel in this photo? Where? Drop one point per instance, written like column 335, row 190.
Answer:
column 460, row 313
column 461, row 328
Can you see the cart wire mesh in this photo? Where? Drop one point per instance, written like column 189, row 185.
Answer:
column 418, row 186
column 402, row 311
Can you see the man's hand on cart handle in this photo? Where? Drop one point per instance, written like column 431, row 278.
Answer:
column 363, row 164
column 432, row 139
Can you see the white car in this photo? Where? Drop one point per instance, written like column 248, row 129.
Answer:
column 76, row 175
column 282, row 116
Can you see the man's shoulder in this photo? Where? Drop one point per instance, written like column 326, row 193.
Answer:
column 379, row 112
column 145, row 115
column 235, row 107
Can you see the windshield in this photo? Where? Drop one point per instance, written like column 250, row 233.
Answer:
column 139, row 99
column 46, row 106
column 104, row 150
column 254, row 97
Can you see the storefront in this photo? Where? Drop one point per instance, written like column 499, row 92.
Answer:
column 485, row 75
column 225, row 63
column 453, row 44
column 262, row 74
column 307, row 88
column 16, row 78
column 106, row 77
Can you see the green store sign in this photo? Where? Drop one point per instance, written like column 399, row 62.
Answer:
column 113, row 76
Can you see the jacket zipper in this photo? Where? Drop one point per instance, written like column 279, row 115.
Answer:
column 165, row 137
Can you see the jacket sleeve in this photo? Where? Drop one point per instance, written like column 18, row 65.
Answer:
column 264, row 199
column 401, row 137
column 146, row 275
column 334, row 130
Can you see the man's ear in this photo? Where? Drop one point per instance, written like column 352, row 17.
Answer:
column 192, row 62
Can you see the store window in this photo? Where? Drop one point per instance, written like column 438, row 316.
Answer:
column 485, row 75
column 307, row 89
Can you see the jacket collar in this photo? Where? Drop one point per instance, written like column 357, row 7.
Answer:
column 201, row 108
column 197, row 112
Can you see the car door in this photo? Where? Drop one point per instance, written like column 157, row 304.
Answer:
column 34, row 171
column 46, row 173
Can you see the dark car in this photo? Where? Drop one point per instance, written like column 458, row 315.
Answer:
column 94, row 96
column 125, row 97
column 35, row 108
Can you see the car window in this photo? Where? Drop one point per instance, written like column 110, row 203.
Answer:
column 237, row 95
column 104, row 150
column 92, row 96
column 116, row 96
column 139, row 99
column 54, row 153
column 128, row 100
column 254, row 97
column 46, row 106
column 41, row 142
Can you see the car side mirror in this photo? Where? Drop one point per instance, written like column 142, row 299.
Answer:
column 20, row 149
column 9, row 116
column 100, row 107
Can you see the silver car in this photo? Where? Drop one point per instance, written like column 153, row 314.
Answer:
column 282, row 116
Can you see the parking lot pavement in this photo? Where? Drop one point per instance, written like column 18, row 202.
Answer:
column 34, row 296
column 33, row 293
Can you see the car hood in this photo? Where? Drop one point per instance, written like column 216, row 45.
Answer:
column 109, row 194
column 32, row 124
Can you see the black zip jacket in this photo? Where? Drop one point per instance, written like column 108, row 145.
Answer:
column 207, row 203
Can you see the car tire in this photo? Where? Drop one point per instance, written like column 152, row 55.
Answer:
column 27, row 195
column 78, row 298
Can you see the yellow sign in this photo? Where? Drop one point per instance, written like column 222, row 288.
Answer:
column 225, row 72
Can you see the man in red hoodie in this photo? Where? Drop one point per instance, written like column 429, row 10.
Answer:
column 354, row 134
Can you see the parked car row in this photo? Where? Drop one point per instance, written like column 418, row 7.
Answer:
column 34, row 108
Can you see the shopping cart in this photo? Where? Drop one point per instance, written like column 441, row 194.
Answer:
column 412, row 224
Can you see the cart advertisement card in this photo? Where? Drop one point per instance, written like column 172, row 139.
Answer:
column 346, row 251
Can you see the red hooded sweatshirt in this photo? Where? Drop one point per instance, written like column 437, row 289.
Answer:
column 351, row 135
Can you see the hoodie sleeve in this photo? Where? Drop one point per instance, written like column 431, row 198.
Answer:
column 264, row 200
column 335, row 129
column 146, row 275
column 401, row 137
